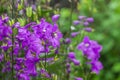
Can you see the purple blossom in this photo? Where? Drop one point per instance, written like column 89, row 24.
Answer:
column 49, row 33
column 73, row 34
column 26, row 68
column 5, row 31
column 76, row 22
column 88, row 29
column 23, row 76
column 90, row 48
column 76, row 62
column 68, row 70
column 71, row 55
column 90, row 19
column 96, row 66
column 81, row 17
column 67, row 65
column 67, row 40
column 86, row 23
column 55, row 18
column 55, row 36
column 34, row 7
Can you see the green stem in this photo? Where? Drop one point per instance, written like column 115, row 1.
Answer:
column 12, row 41
column 71, row 13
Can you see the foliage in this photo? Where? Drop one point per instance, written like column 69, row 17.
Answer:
column 105, row 30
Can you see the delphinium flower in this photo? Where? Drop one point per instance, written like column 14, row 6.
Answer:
column 32, row 40
column 5, row 30
column 91, row 49
column 74, row 34
column 26, row 67
column 5, row 44
column 68, row 67
column 48, row 33
column 76, row 22
column 88, row 29
column 67, row 41
column 55, row 18
column 72, row 57
column 83, row 20
column 96, row 66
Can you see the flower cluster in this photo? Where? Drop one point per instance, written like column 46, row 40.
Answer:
column 91, row 49
column 71, row 58
column 25, row 48
column 83, row 20
column 30, row 42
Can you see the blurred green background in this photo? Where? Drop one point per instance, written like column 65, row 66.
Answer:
column 107, row 27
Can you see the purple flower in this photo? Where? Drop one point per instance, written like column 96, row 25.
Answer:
column 34, row 7
column 71, row 55
column 81, row 17
column 76, row 22
column 67, row 65
column 49, row 33
column 67, row 40
column 90, row 48
column 55, row 36
column 76, row 62
column 5, row 31
column 86, row 23
column 17, row 25
column 26, row 67
column 90, row 19
column 55, row 18
column 73, row 34
column 68, row 70
column 96, row 66
column 30, row 66
column 23, row 76
column 88, row 29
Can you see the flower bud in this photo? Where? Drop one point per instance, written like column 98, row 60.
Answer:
column 55, row 18
column 67, row 40
column 73, row 34
column 81, row 17
column 76, row 22
column 71, row 55
column 85, row 23
column 90, row 20
column 76, row 62
column 88, row 29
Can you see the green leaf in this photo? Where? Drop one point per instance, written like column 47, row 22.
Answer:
column 29, row 11
column 116, row 67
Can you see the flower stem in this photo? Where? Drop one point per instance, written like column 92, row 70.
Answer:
column 12, row 41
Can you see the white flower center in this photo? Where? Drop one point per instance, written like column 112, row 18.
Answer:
column 86, row 45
